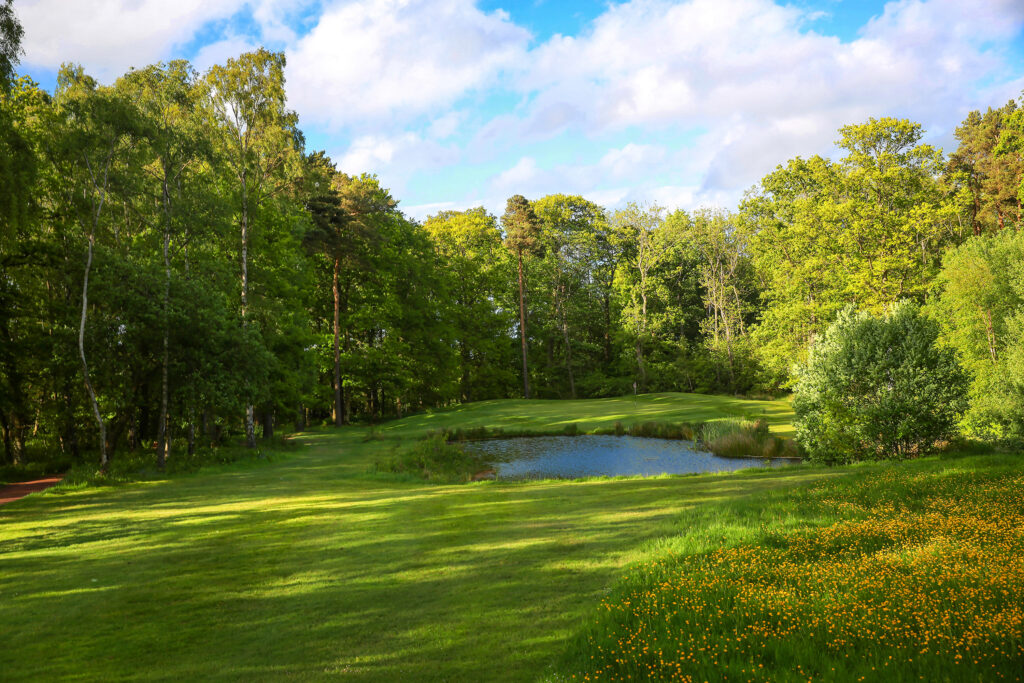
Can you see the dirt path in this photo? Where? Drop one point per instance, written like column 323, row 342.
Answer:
column 15, row 491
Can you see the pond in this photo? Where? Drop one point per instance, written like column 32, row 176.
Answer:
column 567, row 457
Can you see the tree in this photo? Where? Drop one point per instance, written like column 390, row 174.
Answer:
column 635, row 228
column 469, row 244
column 16, row 161
column 248, row 97
column 980, row 305
column 347, row 212
column 570, row 229
column 868, row 230
column 170, row 100
column 989, row 179
column 1009, row 155
column 100, row 129
column 878, row 387
column 522, row 236
column 11, row 34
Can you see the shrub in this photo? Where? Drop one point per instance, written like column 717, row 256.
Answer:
column 735, row 445
column 716, row 429
column 734, row 438
column 435, row 458
column 878, row 388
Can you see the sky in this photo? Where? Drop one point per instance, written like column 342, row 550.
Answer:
column 462, row 103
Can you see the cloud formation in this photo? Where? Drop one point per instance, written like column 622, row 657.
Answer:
column 381, row 63
column 687, row 101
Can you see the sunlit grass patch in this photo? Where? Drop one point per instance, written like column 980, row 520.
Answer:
column 920, row 579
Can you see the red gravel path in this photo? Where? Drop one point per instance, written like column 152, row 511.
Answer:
column 16, row 491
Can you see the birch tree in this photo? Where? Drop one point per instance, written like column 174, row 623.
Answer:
column 248, row 100
column 98, row 133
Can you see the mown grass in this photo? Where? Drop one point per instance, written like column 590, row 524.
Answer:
column 911, row 572
column 315, row 565
column 591, row 415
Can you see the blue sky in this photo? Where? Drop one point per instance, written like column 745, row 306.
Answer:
column 456, row 103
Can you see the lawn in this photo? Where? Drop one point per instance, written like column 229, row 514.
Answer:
column 311, row 565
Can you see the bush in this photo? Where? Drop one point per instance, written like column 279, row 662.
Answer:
column 878, row 388
column 435, row 458
column 737, row 438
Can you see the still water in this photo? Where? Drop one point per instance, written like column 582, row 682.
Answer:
column 568, row 457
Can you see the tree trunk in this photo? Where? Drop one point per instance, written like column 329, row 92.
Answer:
column 85, row 363
column 19, row 427
column 641, row 370
column 522, row 328
column 346, row 395
column 568, row 356
column 338, row 409
column 5, row 430
column 162, row 440
column 607, row 329
column 268, row 424
column 250, row 429
column 990, row 333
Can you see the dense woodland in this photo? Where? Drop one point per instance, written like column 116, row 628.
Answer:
column 178, row 270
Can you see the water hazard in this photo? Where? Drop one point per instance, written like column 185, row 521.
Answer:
column 569, row 457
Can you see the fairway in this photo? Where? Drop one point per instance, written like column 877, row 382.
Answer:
column 311, row 565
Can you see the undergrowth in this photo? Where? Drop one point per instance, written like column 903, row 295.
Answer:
column 434, row 458
column 735, row 438
column 141, row 465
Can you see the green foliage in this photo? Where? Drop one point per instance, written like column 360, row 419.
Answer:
column 985, row 171
column 11, row 34
column 436, row 459
column 876, row 388
column 737, row 438
column 236, row 281
column 980, row 305
column 522, row 228
column 869, row 230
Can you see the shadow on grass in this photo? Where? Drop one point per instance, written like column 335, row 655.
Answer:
column 301, row 568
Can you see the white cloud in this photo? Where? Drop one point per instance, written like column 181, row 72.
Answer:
column 520, row 179
column 379, row 63
column 762, row 86
column 752, row 77
column 395, row 158
column 631, row 160
column 221, row 51
column 446, row 125
column 109, row 37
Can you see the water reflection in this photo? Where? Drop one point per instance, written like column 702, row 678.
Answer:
column 569, row 457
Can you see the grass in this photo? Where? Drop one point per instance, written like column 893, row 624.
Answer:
column 592, row 415
column 911, row 572
column 312, row 564
column 738, row 438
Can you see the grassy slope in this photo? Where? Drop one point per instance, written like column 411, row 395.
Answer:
column 310, row 565
column 594, row 413
column 904, row 572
